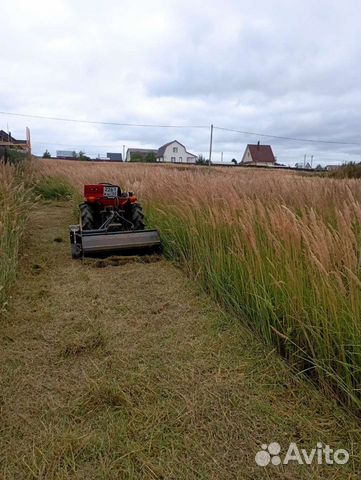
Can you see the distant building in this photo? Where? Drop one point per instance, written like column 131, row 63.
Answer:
column 332, row 167
column 115, row 157
column 258, row 155
column 65, row 154
column 139, row 154
column 303, row 165
column 175, row 152
column 100, row 159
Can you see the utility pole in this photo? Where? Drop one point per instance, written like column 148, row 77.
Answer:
column 210, row 146
column 123, row 153
column 304, row 161
column 311, row 160
column 221, row 156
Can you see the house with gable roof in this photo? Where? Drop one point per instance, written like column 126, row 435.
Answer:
column 175, row 152
column 258, row 155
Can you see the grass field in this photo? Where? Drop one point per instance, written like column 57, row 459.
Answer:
column 124, row 369
column 279, row 251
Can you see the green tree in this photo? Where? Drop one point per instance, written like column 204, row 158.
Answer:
column 46, row 154
column 201, row 160
column 135, row 157
column 83, row 156
column 150, row 157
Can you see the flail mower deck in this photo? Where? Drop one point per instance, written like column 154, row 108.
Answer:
column 111, row 221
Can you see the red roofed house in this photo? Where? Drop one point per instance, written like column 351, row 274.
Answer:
column 8, row 141
column 260, row 155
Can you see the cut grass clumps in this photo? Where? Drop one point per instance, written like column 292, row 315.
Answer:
column 52, row 188
column 102, row 394
column 83, row 343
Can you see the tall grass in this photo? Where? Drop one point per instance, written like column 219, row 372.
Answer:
column 280, row 251
column 15, row 201
column 51, row 188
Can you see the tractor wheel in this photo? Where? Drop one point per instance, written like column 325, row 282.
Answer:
column 137, row 216
column 86, row 217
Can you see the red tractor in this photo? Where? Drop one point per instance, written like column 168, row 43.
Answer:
column 110, row 221
column 107, row 205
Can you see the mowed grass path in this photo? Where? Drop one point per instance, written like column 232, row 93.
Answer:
column 113, row 370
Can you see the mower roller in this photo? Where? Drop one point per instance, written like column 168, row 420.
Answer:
column 111, row 221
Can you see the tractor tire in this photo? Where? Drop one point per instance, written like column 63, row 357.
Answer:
column 137, row 216
column 86, row 217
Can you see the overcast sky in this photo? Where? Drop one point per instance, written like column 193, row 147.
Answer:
column 281, row 67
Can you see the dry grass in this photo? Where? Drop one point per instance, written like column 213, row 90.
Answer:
column 130, row 372
column 279, row 250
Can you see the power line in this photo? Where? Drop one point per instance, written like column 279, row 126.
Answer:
column 93, row 122
column 86, row 145
column 44, row 117
column 285, row 138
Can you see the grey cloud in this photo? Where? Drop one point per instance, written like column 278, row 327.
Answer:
column 280, row 67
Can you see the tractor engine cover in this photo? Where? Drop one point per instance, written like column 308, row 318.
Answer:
column 104, row 194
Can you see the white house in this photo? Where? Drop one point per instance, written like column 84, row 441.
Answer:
column 332, row 167
column 175, row 152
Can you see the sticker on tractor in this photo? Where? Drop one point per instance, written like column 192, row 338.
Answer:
column 110, row 192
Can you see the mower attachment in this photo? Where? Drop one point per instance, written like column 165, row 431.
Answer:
column 92, row 242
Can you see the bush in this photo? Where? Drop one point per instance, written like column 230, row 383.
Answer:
column 52, row 188
column 82, row 156
column 137, row 157
column 349, row 170
column 201, row 160
column 151, row 158
column 16, row 157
